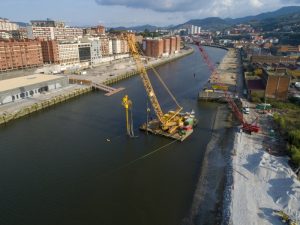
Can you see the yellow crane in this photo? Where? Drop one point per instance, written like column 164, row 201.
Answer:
column 171, row 121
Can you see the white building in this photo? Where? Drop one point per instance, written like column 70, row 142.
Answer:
column 96, row 54
column 110, row 47
column 194, row 30
column 23, row 87
column 116, row 46
column 68, row 53
column 6, row 25
column 5, row 34
column 54, row 33
column 46, row 33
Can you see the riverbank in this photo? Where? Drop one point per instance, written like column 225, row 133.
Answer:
column 18, row 109
column 118, row 71
column 114, row 72
column 262, row 183
column 207, row 207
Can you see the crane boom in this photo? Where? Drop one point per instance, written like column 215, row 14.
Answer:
column 216, row 78
column 145, row 78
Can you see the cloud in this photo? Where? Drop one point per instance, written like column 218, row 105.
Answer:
column 158, row 5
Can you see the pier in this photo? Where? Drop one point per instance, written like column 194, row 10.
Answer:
column 110, row 90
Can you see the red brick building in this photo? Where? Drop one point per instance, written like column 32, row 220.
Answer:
column 173, row 45
column 178, row 43
column 167, row 45
column 50, row 52
column 100, row 30
column 20, row 54
column 161, row 47
column 277, row 84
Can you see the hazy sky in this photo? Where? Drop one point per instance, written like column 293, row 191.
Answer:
column 134, row 12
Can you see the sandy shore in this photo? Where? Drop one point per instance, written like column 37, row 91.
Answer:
column 262, row 183
column 208, row 197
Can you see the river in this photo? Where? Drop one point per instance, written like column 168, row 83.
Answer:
column 74, row 164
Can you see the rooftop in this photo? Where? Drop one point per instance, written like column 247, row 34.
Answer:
column 256, row 84
column 20, row 82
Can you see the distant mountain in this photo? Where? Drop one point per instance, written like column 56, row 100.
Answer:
column 280, row 12
column 216, row 23
column 138, row 28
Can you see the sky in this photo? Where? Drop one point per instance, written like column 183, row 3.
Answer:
column 113, row 13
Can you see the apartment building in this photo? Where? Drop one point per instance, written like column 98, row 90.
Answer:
column 47, row 23
column 116, row 46
column 96, row 53
column 68, row 53
column 43, row 33
column 106, row 46
column 67, row 33
column 84, row 50
column 20, row 54
column 6, row 25
column 5, row 34
column 54, row 33
column 50, row 51
column 19, row 34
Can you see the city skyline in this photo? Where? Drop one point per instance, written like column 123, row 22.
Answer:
column 112, row 13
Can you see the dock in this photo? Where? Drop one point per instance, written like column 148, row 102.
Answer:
column 153, row 127
column 96, row 85
column 110, row 90
column 214, row 96
column 228, row 70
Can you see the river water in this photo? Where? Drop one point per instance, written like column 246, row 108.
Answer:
column 74, row 164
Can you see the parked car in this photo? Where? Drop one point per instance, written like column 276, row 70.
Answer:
column 246, row 110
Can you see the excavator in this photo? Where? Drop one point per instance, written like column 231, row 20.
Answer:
column 174, row 123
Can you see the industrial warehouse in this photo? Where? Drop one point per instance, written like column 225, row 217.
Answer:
column 29, row 86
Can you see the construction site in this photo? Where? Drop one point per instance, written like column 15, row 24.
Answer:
column 256, row 174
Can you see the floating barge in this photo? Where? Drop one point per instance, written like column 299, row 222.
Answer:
column 153, row 127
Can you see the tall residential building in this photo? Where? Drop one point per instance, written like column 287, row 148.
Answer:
column 84, row 50
column 50, row 51
column 178, row 43
column 6, row 25
column 106, row 46
column 96, row 53
column 67, row 33
column 116, row 46
column 167, row 46
column 173, row 43
column 47, row 23
column 194, row 29
column 54, row 33
column 124, row 46
column 19, row 34
column 100, row 30
column 154, row 47
column 68, row 53
column 44, row 33
column 5, row 34
column 161, row 47
column 20, row 54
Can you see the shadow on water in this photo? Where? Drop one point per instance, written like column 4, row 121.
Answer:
column 57, row 167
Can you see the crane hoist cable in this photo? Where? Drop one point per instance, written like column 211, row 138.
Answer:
column 162, row 82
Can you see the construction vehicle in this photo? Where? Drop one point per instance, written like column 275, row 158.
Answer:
column 285, row 218
column 170, row 124
column 215, row 79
